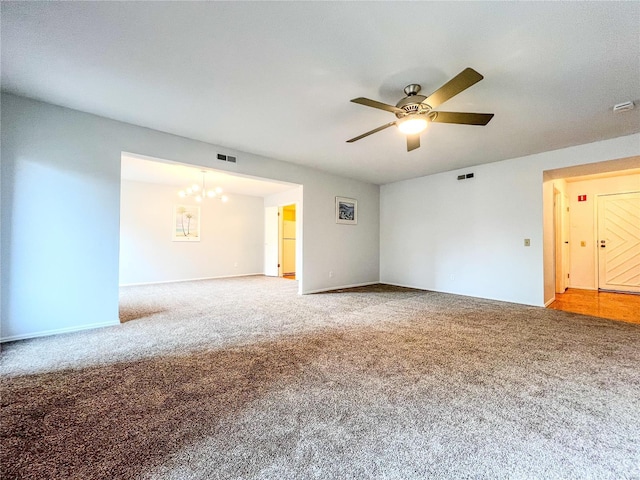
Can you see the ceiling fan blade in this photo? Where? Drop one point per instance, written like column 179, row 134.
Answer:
column 372, row 103
column 413, row 142
column 457, row 84
column 463, row 118
column 375, row 130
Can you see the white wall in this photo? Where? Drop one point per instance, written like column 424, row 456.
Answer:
column 230, row 243
column 467, row 237
column 61, row 208
column 584, row 224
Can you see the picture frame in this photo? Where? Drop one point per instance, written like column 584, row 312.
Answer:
column 186, row 223
column 346, row 211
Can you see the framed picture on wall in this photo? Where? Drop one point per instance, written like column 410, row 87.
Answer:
column 346, row 211
column 186, row 223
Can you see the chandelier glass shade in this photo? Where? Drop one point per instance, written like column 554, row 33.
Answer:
column 200, row 192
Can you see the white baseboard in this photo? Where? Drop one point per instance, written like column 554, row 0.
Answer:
column 411, row 286
column 459, row 294
column 58, row 331
column 189, row 279
column 341, row 287
column 549, row 302
column 582, row 288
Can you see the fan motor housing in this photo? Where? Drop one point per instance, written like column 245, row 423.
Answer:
column 413, row 104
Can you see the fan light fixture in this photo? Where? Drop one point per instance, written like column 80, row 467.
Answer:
column 412, row 124
column 199, row 192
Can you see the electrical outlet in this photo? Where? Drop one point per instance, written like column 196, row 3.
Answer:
column 452, row 276
column 235, row 264
column 527, row 242
column 331, row 274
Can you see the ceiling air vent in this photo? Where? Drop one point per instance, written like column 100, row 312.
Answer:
column 465, row 176
column 231, row 159
column 222, row 157
column 623, row 107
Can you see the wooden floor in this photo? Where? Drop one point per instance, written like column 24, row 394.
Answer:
column 615, row 306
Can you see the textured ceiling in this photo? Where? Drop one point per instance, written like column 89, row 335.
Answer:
column 275, row 78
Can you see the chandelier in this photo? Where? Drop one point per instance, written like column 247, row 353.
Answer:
column 200, row 192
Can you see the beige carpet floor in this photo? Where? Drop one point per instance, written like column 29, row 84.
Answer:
column 242, row 378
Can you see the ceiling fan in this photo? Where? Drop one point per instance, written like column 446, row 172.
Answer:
column 414, row 111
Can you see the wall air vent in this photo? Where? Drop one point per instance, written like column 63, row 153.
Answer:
column 465, row 176
column 226, row 158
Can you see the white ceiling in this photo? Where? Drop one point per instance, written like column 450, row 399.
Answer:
column 275, row 78
column 138, row 169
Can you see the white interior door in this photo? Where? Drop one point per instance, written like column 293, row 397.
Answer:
column 271, row 248
column 566, row 246
column 561, row 228
column 619, row 242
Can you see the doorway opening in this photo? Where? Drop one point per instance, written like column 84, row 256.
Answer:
column 283, row 237
column 592, row 235
column 287, row 241
column 162, row 205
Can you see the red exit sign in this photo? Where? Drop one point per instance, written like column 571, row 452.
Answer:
column 582, row 198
